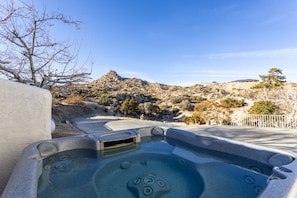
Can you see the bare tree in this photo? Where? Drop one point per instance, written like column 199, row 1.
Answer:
column 28, row 51
column 6, row 11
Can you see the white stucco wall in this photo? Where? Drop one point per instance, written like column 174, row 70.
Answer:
column 25, row 117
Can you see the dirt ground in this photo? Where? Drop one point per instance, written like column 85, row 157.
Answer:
column 64, row 114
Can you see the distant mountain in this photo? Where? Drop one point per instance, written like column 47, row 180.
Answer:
column 111, row 81
column 110, row 77
column 246, row 80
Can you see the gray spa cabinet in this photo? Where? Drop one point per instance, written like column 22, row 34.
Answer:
column 150, row 163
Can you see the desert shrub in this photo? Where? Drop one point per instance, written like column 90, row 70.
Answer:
column 196, row 118
column 197, row 99
column 104, row 100
column 175, row 100
column 186, row 105
column 204, row 106
column 263, row 107
column 149, row 109
column 179, row 99
column 208, row 110
column 232, row 103
column 174, row 88
column 175, row 111
column 165, row 109
column 129, row 107
column 74, row 100
column 187, row 120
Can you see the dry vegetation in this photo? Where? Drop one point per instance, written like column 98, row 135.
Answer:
column 218, row 103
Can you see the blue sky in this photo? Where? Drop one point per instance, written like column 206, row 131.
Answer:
column 185, row 42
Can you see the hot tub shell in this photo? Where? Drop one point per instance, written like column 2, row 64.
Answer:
column 24, row 180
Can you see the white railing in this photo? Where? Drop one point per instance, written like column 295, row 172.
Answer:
column 272, row 121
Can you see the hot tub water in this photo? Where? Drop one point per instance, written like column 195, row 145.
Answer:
column 154, row 169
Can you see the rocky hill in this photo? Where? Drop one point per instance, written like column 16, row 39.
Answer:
column 159, row 101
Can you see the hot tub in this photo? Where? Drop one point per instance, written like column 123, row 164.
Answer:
column 152, row 162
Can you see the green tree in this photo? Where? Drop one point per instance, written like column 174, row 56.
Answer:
column 129, row 107
column 274, row 78
column 263, row 107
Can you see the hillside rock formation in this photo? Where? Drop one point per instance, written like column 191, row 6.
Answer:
column 175, row 101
